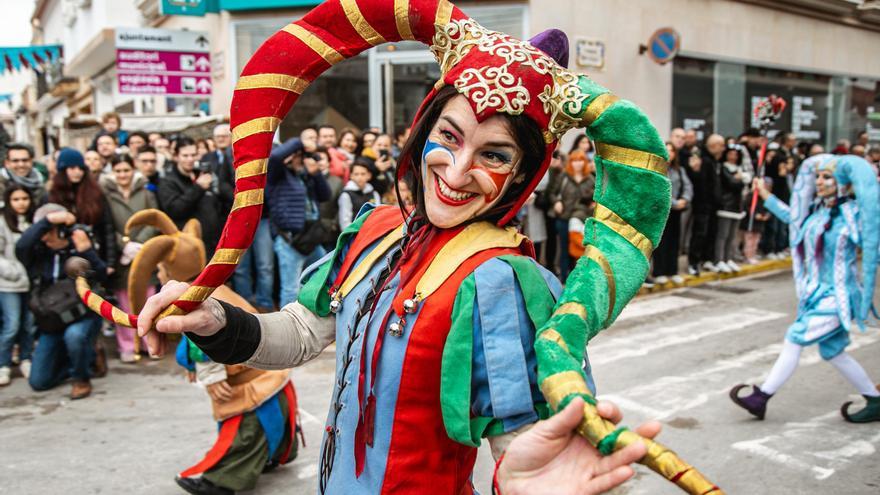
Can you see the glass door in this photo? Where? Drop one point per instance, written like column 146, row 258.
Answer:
column 399, row 81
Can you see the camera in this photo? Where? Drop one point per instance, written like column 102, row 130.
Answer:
column 65, row 231
column 384, row 154
column 202, row 168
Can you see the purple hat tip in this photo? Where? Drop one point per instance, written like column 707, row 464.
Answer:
column 554, row 43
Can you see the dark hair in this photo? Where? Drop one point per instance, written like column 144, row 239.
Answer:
column 364, row 163
column 140, row 134
column 322, row 150
column 674, row 161
column 400, row 131
column 737, row 150
column 105, row 133
column 20, row 147
column 145, row 149
column 182, row 141
column 124, row 158
column 312, row 127
column 325, row 126
column 8, row 214
column 85, row 200
column 577, row 142
column 357, row 139
column 525, row 132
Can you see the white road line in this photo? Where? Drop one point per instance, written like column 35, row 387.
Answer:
column 669, row 395
column 792, row 446
column 647, row 307
column 308, row 417
column 647, row 342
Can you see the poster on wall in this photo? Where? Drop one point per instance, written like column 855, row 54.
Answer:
column 803, row 119
column 873, row 124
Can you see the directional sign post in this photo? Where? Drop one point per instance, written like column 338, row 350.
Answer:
column 163, row 62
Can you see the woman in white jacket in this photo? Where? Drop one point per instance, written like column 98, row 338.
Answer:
column 17, row 321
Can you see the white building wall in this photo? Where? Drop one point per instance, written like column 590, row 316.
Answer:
column 713, row 29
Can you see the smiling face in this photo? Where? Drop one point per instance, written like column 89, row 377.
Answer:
column 123, row 172
column 467, row 166
column 826, row 184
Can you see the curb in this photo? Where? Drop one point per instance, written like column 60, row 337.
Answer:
column 765, row 266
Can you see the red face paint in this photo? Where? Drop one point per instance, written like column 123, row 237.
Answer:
column 498, row 180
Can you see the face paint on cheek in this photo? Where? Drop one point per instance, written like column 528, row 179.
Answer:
column 498, row 179
column 434, row 147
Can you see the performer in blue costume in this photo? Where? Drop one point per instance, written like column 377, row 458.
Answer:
column 834, row 212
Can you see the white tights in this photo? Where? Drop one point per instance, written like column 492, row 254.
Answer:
column 787, row 362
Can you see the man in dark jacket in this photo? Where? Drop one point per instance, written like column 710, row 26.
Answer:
column 704, row 173
column 781, row 166
column 294, row 188
column 43, row 249
column 219, row 161
column 188, row 192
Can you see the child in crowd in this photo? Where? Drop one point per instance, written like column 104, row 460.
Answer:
column 356, row 193
column 752, row 236
column 17, row 320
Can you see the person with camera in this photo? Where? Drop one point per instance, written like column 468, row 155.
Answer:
column 190, row 190
column 68, row 329
column 294, row 189
column 384, row 165
column 17, row 320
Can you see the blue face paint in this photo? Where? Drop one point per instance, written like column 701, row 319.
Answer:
column 434, row 147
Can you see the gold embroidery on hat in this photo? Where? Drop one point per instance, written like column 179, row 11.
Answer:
column 496, row 86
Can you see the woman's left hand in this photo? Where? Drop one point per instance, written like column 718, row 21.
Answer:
column 553, row 458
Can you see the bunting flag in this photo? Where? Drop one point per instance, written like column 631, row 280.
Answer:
column 14, row 58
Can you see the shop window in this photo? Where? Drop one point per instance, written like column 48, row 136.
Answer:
column 693, row 95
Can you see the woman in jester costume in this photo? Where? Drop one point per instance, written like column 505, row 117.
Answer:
column 447, row 331
column 834, row 212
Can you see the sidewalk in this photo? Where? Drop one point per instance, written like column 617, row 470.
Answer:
column 745, row 270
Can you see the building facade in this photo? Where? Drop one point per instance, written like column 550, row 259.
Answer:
column 819, row 54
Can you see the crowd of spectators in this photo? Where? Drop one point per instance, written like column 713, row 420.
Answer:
column 78, row 203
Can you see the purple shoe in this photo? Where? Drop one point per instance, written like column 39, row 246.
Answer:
column 755, row 403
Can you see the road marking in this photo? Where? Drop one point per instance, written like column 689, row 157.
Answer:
column 652, row 306
column 672, row 394
column 792, row 447
column 308, row 417
column 644, row 343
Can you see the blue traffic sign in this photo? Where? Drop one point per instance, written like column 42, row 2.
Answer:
column 664, row 45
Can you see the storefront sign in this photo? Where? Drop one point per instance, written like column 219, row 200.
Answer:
column 663, row 45
column 188, row 7
column 163, row 62
column 590, row 52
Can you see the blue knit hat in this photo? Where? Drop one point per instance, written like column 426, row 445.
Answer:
column 70, row 157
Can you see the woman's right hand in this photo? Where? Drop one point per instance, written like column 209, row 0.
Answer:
column 558, row 207
column 208, row 319
column 759, row 184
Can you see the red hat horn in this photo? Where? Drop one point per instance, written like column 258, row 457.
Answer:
column 271, row 82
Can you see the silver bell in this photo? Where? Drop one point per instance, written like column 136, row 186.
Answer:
column 409, row 306
column 396, row 329
column 335, row 305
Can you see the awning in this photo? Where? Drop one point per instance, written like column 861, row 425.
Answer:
column 15, row 58
column 151, row 123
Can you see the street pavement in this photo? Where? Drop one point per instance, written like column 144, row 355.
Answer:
column 671, row 357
